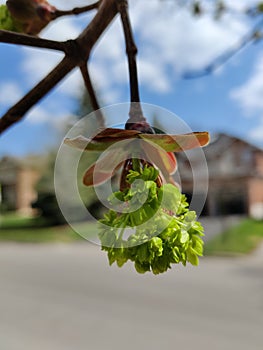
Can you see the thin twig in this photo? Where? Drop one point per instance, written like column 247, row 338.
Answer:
column 131, row 51
column 252, row 35
column 135, row 113
column 76, row 10
column 92, row 94
column 30, row 40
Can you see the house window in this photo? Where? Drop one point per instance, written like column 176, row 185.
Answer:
column 232, row 204
column 199, row 202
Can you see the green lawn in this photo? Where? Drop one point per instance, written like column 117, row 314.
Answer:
column 241, row 239
column 22, row 229
column 14, row 220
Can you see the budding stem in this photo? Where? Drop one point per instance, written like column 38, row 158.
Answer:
column 136, row 114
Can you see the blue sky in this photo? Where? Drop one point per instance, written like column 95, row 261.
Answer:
column 170, row 42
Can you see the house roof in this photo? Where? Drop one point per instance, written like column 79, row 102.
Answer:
column 226, row 157
column 221, row 143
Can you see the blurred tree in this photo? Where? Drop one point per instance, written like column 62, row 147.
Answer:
column 46, row 202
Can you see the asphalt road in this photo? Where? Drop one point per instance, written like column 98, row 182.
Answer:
column 66, row 297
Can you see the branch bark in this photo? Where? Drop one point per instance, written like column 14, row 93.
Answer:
column 135, row 113
column 30, row 40
column 76, row 10
column 77, row 54
column 92, row 94
column 131, row 50
column 16, row 113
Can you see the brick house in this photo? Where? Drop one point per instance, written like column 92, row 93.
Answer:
column 18, row 178
column 235, row 177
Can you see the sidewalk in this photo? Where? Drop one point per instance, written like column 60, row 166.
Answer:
column 65, row 296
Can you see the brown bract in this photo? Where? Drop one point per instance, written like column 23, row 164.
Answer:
column 33, row 15
column 158, row 149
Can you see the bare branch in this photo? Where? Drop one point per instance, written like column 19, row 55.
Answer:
column 92, row 94
column 77, row 53
column 16, row 113
column 76, row 10
column 88, row 38
column 131, row 50
column 29, row 40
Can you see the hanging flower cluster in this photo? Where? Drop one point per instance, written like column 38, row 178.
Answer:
column 150, row 224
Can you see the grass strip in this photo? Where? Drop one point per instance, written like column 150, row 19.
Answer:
column 240, row 239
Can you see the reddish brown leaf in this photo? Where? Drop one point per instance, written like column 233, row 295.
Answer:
column 102, row 140
column 176, row 143
column 85, row 144
column 104, row 168
column 165, row 161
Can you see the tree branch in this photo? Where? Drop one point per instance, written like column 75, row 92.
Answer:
column 106, row 12
column 136, row 114
column 76, row 10
column 30, row 40
column 77, row 53
column 16, row 113
column 92, row 94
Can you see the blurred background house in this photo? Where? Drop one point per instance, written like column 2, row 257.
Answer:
column 235, row 177
column 235, row 180
column 18, row 179
column 27, row 187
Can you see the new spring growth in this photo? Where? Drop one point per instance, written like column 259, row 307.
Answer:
column 150, row 223
column 159, row 229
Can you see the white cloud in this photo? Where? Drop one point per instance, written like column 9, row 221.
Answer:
column 52, row 116
column 37, row 63
column 72, row 86
column 61, row 4
column 153, row 76
column 62, row 29
column 255, row 134
column 39, row 115
column 170, row 41
column 241, row 5
column 10, row 93
column 249, row 95
column 108, row 93
column 166, row 39
column 181, row 41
